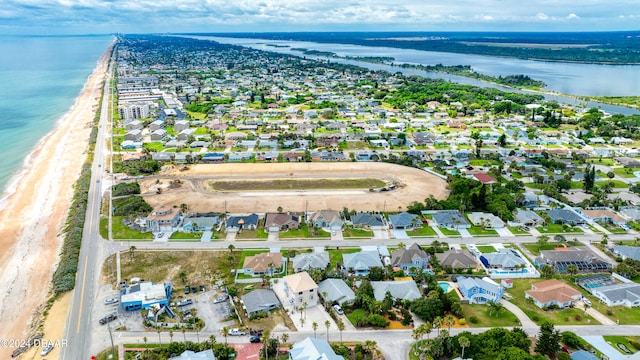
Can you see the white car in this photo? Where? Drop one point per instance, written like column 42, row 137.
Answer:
column 47, row 349
column 110, row 301
column 586, row 301
column 236, row 332
column 220, row 299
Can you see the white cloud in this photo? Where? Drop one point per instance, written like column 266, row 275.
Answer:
column 573, row 16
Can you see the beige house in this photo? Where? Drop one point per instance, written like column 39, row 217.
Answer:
column 300, row 289
column 265, row 263
column 553, row 292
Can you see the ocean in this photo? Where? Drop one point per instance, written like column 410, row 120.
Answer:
column 40, row 78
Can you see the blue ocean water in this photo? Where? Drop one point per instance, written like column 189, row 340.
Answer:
column 40, row 77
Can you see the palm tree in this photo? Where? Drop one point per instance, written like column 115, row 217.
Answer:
column 437, row 323
column 572, row 270
column 145, row 343
column 464, row 342
column 132, row 251
column 158, row 330
column 225, row 333
column 428, row 327
column 340, row 328
column 171, row 335
column 184, row 335
column 327, row 324
column 449, row 321
column 285, row 337
column 155, row 310
column 315, row 327
column 370, row 346
column 231, row 247
column 494, row 306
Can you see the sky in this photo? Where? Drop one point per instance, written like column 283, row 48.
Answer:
column 53, row 17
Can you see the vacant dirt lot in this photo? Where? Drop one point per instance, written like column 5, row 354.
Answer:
column 414, row 185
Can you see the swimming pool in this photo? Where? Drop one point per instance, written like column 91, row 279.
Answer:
column 444, row 285
column 523, row 271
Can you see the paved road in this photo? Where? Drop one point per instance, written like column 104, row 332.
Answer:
column 81, row 317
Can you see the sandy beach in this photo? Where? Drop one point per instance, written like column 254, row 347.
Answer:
column 33, row 218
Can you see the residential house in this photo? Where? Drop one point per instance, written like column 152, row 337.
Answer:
column 133, row 125
column 326, row 219
column 457, row 259
column 242, row 222
column 479, row 291
column 626, row 252
column 405, row 221
column 158, row 135
column 553, row 293
column 450, row 219
column 528, row 218
column 163, row 156
column 401, row 290
column 612, row 292
column 566, row 216
column 162, row 218
column 336, row 291
column 585, row 260
column 190, row 355
column 605, row 216
column 368, row 221
column 268, row 263
column 310, row 261
column 133, row 135
column 409, row 258
column 275, row 222
column 181, row 125
column 155, row 125
column 486, row 220
column 505, row 259
column 259, row 301
column 186, row 134
column 313, row 349
column 300, row 289
column 361, row 262
column 484, row 178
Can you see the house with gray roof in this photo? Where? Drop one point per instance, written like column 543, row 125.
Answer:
column 336, row 291
column 528, row 218
column 260, row 300
column 409, row 258
column 503, row 260
column 242, row 222
column 631, row 212
column 190, row 355
column 361, row 262
column 486, row 220
column 207, row 222
column 479, row 291
column 275, row 222
column 457, row 259
column 134, row 135
column 626, row 252
column 405, row 221
column 402, row 290
column 566, row 216
column 585, row 260
column 368, row 221
column 619, row 294
column 450, row 219
column 313, row 349
column 310, row 261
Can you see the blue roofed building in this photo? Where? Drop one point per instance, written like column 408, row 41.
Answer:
column 405, row 221
column 450, row 219
column 313, row 349
column 479, row 291
column 144, row 295
column 361, row 262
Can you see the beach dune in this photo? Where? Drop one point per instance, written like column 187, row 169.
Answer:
column 32, row 218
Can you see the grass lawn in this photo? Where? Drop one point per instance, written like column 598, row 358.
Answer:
column 335, row 255
column 423, row 231
column 535, row 248
column 121, row 231
column 595, row 230
column 617, row 184
column 354, row 315
column 627, row 316
column 448, row 232
column 351, row 232
column 479, row 231
column 303, row 232
column 600, row 161
column 516, row 230
column 186, row 236
column 624, row 172
column 557, row 229
column 486, row 249
column 481, row 312
column 615, row 229
column 153, row 146
column 571, row 316
column 613, row 340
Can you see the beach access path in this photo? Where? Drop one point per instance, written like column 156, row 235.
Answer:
column 32, row 220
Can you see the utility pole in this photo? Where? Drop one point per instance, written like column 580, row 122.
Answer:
column 113, row 348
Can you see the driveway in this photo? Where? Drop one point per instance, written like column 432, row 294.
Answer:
column 504, row 232
column 464, row 233
column 381, row 234
column 604, row 347
column 400, row 234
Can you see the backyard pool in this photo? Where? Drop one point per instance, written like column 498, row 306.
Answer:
column 523, row 271
column 444, row 285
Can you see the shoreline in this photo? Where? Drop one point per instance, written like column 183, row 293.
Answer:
column 34, row 208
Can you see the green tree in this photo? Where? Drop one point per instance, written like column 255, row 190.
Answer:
column 548, row 340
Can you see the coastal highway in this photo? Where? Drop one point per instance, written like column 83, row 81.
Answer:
column 81, row 317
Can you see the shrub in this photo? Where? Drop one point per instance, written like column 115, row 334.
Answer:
column 578, row 317
column 609, row 312
column 462, row 321
column 474, row 320
column 378, row 321
column 535, row 318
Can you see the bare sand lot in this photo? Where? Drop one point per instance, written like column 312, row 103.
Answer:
column 412, row 185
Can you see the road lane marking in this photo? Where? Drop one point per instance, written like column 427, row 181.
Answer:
column 84, row 277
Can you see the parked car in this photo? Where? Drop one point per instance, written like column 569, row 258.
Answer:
column 194, row 289
column 187, row 289
column 184, row 302
column 338, row 309
column 220, row 299
column 202, row 288
column 107, row 319
column 586, row 301
column 237, row 332
column 47, row 349
column 255, row 339
column 110, row 301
